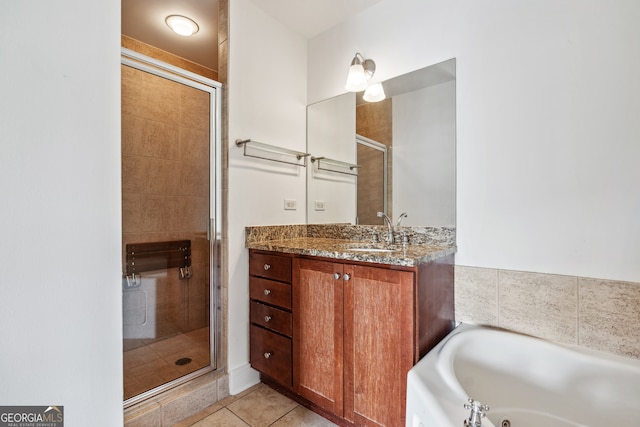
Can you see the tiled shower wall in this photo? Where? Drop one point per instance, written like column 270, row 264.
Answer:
column 595, row 313
column 165, row 190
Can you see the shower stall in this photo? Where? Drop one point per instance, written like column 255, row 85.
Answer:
column 171, row 222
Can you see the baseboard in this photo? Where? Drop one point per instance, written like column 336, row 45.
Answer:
column 242, row 378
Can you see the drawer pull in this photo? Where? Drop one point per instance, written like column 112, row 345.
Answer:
column 267, row 266
column 336, row 276
column 347, row 277
column 267, row 355
column 267, row 291
column 267, row 318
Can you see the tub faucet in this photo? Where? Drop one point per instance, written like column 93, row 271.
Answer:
column 402, row 216
column 477, row 413
column 387, row 221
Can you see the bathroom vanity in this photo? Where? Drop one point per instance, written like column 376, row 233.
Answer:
column 336, row 324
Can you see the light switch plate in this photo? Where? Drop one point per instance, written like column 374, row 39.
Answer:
column 290, row 204
column 319, row 205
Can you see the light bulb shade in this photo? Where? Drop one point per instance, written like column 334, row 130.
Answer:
column 360, row 72
column 356, row 79
column 182, row 25
column 374, row 93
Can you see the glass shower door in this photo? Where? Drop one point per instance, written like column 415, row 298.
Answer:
column 372, row 193
column 167, row 251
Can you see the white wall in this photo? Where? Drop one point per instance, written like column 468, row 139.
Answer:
column 547, row 131
column 60, row 309
column 424, row 150
column 267, row 103
column 331, row 133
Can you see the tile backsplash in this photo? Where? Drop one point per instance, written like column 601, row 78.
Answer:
column 437, row 236
column 594, row 313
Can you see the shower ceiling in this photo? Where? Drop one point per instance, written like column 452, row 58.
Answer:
column 144, row 21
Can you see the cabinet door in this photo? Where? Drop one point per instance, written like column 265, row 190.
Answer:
column 317, row 333
column 378, row 345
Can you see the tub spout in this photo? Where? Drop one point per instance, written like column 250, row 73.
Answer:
column 477, row 413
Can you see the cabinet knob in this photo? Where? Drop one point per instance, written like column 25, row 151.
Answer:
column 336, row 276
column 267, row 266
column 267, row 355
column 267, row 291
column 267, row 318
column 346, row 276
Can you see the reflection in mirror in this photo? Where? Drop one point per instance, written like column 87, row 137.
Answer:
column 331, row 128
column 404, row 147
column 372, row 189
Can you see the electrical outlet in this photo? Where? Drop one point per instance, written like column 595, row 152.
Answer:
column 319, row 205
column 290, row 204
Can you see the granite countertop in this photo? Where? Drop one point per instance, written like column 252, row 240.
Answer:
column 409, row 255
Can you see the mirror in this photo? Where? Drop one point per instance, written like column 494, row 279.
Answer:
column 395, row 156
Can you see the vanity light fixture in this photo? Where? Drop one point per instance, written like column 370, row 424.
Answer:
column 182, row 25
column 360, row 72
column 374, row 93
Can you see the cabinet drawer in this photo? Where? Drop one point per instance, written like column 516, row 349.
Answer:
column 270, row 266
column 269, row 291
column 271, row 355
column 271, row 318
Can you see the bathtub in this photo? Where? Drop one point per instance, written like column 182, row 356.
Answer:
column 525, row 381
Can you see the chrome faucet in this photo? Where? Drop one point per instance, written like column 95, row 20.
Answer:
column 402, row 216
column 478, row 411
column 387, row 221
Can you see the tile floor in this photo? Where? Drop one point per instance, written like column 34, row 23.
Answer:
column 259, row 406
column 151, row 363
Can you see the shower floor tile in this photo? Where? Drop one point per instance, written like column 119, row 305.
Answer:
column 151, row 363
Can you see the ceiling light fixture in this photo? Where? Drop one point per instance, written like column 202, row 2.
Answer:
column 360, row 73
column 182, row 25
column 374, row 93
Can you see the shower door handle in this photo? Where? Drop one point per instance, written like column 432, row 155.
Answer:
column 211, row 226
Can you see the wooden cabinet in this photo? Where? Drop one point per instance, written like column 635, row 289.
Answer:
column 318, row 332
column 270, row 314
column 357, row 330
column 379, row 345
column 353, row 339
